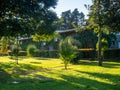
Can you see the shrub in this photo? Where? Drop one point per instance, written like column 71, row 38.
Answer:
column 15, row 50
column 77, row 58
column 31, row 49
column 88, row 53
column 22, row 53
column 4, row 43
column 112, row 54
column 67, row 50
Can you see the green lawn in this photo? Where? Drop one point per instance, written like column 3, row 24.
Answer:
column 49, row 74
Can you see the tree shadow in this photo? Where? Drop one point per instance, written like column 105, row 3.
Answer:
column 42, row 82
column 106, row 64
column 41, row 58
column 112, row 78
column 89, row 84
column 4, row 76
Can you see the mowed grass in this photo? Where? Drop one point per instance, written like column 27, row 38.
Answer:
column 49, row 74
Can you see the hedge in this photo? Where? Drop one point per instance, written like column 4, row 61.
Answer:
column 21, row 53
column 112, row 54
column 43, row 53
column 88, row 53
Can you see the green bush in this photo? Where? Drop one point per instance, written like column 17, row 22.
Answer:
column 15, row 50
column 77, row 58
column 21, row 53
column 67, row 50
column 88, row 53
column 112, row 54
column 47, row 53
column 31, row 50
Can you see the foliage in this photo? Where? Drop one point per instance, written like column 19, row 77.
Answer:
column 15, row 50
column 23, row 17
column 21, row 53
column 71, row 20
column 31, row 49
column 4, row 43
column 44, row 37
column 88, row 53
column 112, row 54
column 104, row 45
column 109, row 15
column 87, row 38
column 67, row 50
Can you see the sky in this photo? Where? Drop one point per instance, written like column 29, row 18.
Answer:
column 64, row 5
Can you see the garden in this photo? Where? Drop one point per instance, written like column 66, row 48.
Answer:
column 42, row 51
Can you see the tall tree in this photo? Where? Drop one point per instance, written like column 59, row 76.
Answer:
column 104, row 15
column 66, row 16
column 77, row 17
column 29, row 17
column 72, row 19
column 22, row 17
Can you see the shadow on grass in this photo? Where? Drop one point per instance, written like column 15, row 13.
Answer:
column 41, row 58
column 89, row 84
column 4, row 76
column 68, row 83
column 40, row 82
column 106, row 64
column 26, row 57
column 20, row 69
column 110, row 77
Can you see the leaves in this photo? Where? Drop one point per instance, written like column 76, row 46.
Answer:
column 67, row 50
column 109, row 14
column 22, row 17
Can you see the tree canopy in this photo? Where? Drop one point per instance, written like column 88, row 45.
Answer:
column 26, row 17
column 72, row 19
column 109, row 15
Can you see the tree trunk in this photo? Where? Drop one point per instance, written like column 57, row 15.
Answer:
column 17, row 51
column 99, row 36
column 99, row 48
column 65, row 66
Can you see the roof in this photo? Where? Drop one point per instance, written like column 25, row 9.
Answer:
column 64, row 31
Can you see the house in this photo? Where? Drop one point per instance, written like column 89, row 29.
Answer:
column 117, row 42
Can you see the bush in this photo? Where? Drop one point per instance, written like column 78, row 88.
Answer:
column 67, row 50
column 15, row 50
column 31, row 49
column 47, row 53
column 112, row 54
column 88, row 53
column 77, row 58
column 21, row 53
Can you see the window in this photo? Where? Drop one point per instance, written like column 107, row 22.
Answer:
column 118, row 44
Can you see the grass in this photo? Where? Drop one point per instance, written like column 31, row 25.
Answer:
column 49, row 74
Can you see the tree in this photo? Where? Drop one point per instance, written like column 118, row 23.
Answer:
column 104, row 14
column 67, row 50
column 77, row 17
column 110, row 14
column 71, row 20
column 22, row 17
column 66, row 16
column 26, row 17
column 44, row 37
